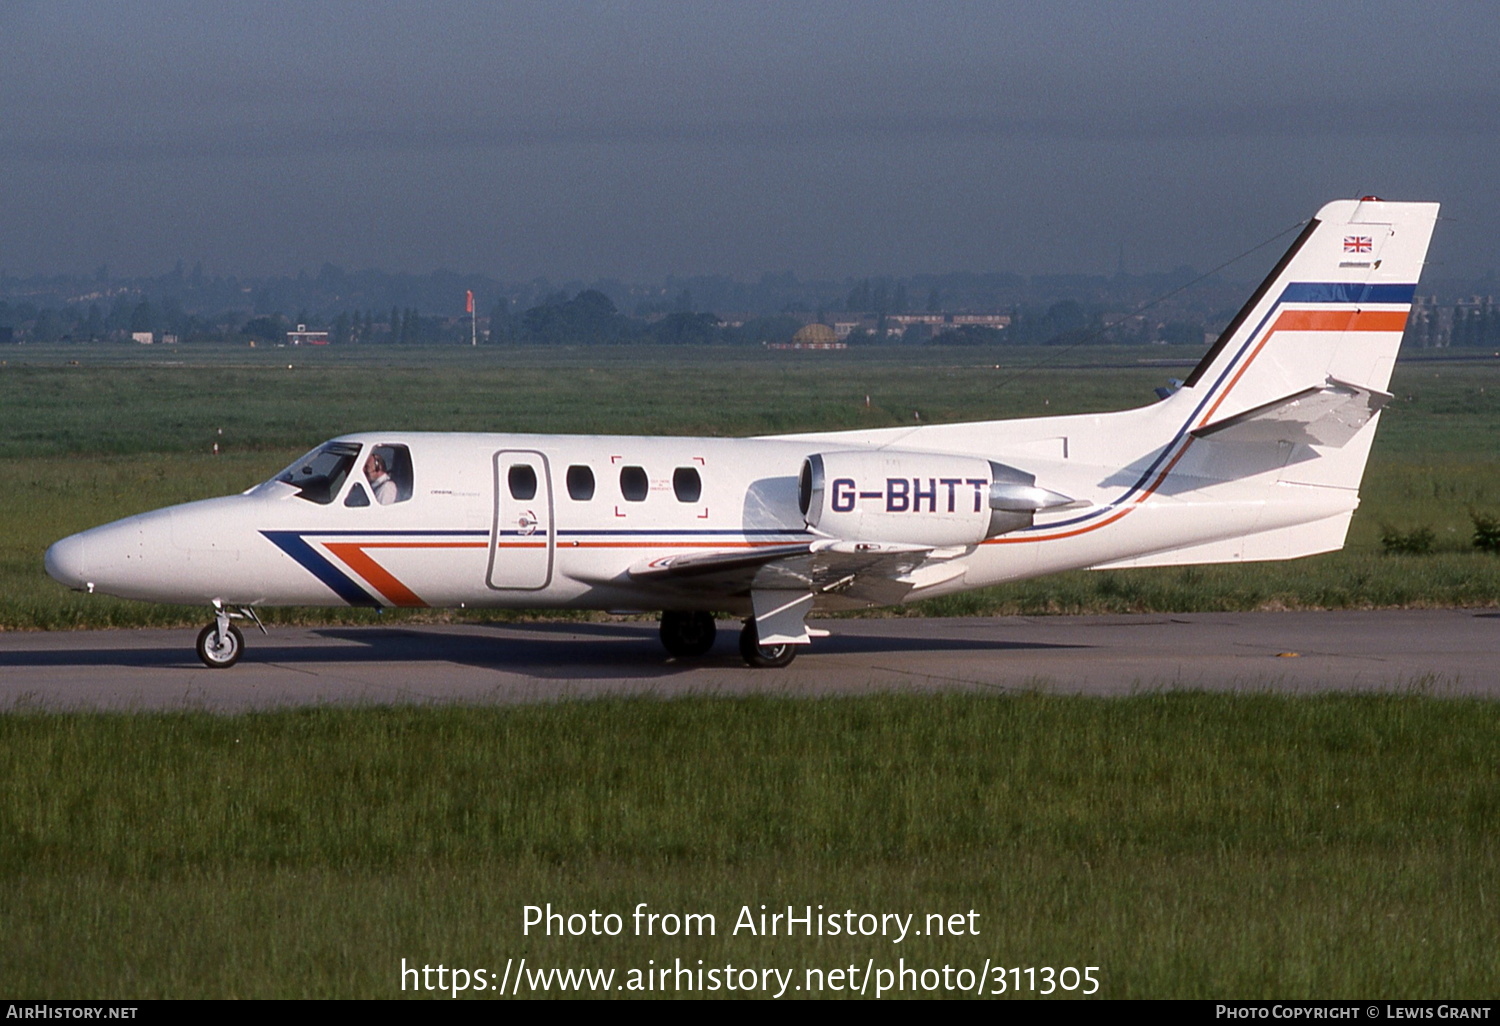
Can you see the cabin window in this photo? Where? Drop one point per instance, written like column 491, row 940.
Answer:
column 687, row 484
column 580, row 483
column 522, row 481
column 634, row 484
column 320, row 474
column 387, row 471
column 357, row 496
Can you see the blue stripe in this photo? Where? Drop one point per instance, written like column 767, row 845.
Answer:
column 1346, row 292
column 384, row 534
column 737, row 532
column 292, row 544
column 746, row 532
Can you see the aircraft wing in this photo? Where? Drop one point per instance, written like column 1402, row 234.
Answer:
column 862, row 571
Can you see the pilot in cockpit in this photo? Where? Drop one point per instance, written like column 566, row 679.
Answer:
column 380, row 479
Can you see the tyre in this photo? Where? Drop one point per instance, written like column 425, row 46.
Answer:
column 220, row 653
column 763, row 656
column 688, row 635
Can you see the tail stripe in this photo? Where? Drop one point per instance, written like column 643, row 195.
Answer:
column 1284, row 320
column 1250, row 305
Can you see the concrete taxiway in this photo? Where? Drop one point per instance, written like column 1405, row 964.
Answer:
column 1447, row 652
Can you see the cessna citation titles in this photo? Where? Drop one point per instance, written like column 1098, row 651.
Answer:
column 1257, row 456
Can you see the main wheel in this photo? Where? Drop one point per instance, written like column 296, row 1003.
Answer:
column 763, row 656
column 220, row 652
column 688, row 635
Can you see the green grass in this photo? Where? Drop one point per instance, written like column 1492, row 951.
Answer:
column 1189, row 844
column 130, row 429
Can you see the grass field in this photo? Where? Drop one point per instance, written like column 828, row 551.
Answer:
column 1188, row 844
column 127, row 429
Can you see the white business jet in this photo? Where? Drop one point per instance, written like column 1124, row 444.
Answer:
column 1257, row 456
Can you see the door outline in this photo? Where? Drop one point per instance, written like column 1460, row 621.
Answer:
column 502, row 498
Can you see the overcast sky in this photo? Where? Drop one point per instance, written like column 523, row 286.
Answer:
column 639, row 139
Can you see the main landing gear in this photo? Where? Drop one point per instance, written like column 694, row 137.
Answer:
column 221, row 644
column 760, row 656
column 690, row 635
column 687, row 635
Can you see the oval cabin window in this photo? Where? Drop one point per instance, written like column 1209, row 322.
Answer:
column 580, row 483
column 522, row 482
column 634, row 484
column 687, row 484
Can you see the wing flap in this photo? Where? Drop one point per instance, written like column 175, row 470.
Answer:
column 862, row 571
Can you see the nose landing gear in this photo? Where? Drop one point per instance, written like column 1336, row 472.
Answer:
column 221, row 644
column 220, row 649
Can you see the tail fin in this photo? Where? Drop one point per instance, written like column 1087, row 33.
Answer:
column 1281, row 412
column 1334, row 308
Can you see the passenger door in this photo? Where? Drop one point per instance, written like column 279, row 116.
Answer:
column 522, row 541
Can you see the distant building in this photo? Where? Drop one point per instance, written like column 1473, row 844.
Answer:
column 981, row 320
column 145, row 338
column 304, row 337
column 936, row 323
column 812, row 336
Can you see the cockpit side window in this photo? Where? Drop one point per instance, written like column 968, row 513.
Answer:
column 388, row 471
column 320, row 474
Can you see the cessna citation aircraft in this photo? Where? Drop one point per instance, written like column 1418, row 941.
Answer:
column 1257, row 456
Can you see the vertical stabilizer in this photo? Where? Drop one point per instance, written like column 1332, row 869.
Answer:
column 1333, row 308
column 1280, row 414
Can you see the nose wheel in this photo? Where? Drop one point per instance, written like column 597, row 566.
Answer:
column 220, row 649
column 767, row 657
column 221, row 644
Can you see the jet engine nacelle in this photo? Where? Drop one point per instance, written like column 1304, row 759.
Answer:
column 918, row 498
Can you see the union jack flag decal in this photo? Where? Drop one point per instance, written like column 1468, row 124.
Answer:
column 1357, row 243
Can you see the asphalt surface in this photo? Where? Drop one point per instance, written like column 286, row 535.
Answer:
column 1443, row 652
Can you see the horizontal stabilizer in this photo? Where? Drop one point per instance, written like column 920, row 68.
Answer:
column 1326, row 415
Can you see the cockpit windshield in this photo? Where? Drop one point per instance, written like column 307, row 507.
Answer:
column 320, row 474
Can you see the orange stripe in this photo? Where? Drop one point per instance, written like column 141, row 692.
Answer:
column 423, row 545
column 1065, row 534
column 1240, row 373
column 1315, row 320
column 671, row 545
column 352, row 553
column 1342, row 320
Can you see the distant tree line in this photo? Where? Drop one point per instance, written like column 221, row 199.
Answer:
column 375, row 308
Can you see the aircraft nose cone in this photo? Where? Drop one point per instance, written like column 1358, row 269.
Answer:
column 66, row 564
